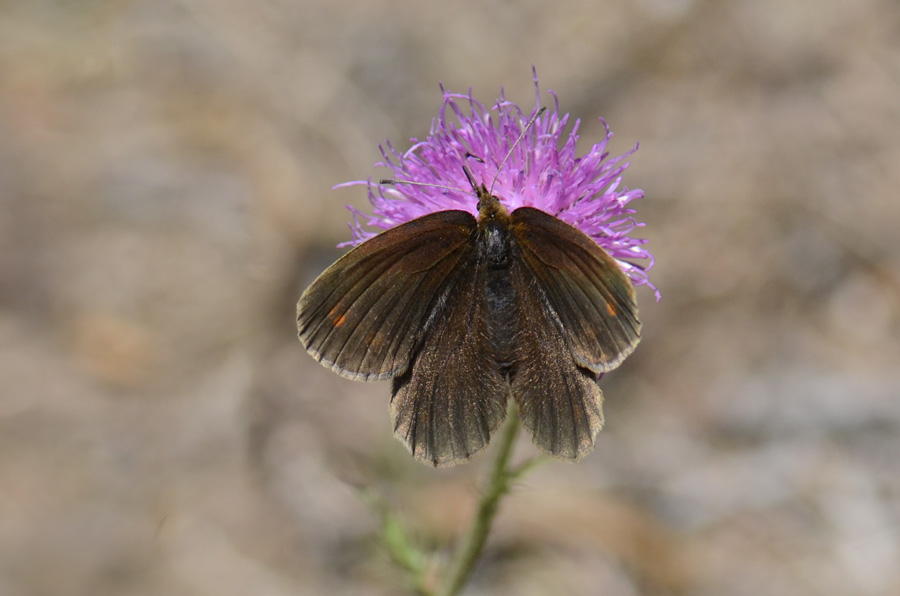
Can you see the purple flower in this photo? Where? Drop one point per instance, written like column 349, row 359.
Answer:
column 542, row 172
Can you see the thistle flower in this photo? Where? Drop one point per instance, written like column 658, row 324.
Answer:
column 543, row 171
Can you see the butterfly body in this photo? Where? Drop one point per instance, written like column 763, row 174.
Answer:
column 464, row 313
column 494, row 247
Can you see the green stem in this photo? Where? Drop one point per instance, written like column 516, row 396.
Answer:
column 496, row 485
column 401, row 549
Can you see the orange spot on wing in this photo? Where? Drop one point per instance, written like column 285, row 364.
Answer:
column 611, row 309
column 339, row 319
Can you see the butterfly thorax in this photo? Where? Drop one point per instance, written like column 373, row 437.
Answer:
column 493, row 230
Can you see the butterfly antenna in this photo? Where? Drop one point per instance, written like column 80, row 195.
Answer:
column 395, row 182
column 516, row 144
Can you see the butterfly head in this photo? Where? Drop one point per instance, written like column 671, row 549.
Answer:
column 489, row 206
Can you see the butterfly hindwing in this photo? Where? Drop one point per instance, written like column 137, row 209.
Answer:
column 453, row 397
column 587, row 292
column 365, row 314
column 559, row 400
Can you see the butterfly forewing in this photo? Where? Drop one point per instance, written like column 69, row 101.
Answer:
column 454, row 396
column 590, row 296
column 365, row 313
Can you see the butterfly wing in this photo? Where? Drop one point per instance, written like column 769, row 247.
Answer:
column 364, row 315
column 581, row 320
column 447, row 405
column 559, row 400
column 589, row 295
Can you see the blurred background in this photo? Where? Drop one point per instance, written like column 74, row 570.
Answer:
column 165, row 195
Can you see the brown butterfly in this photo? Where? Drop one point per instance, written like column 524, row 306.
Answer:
column 464, row 313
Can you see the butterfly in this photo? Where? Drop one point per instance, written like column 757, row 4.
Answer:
column 463, row 313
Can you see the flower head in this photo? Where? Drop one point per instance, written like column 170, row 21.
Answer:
column 543, row 171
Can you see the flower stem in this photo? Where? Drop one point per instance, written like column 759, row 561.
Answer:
column 496, row 485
